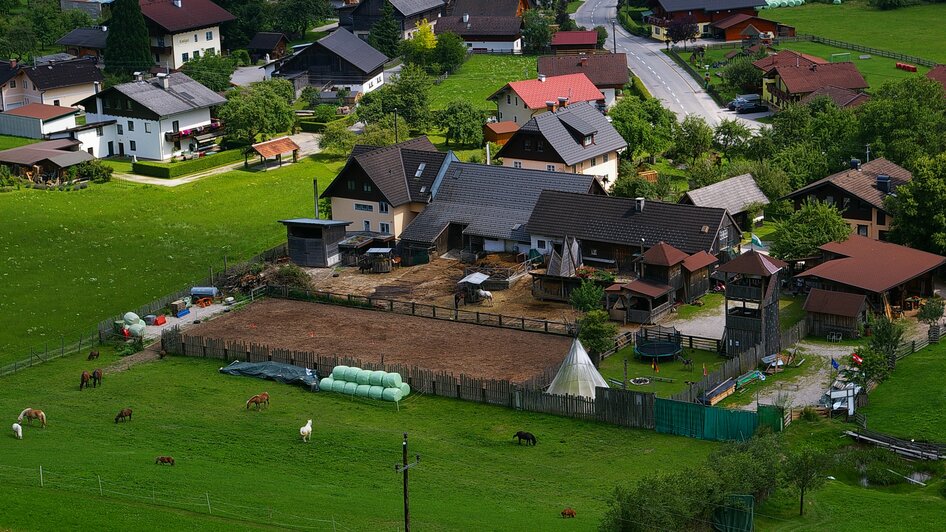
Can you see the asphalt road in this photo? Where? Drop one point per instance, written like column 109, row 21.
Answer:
column 666, row 81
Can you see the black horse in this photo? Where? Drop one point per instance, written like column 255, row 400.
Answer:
column 527, row 436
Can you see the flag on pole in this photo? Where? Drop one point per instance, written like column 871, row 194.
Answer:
column 654, row 366
column 704, row 369
column 756, row 240
column 834, row 363
column 857, row 360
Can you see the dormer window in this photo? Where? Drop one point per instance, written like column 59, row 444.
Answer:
column 420, row 169
column 588, row 140
column 527, row 144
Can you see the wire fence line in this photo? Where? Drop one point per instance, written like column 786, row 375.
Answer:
column 204, row 503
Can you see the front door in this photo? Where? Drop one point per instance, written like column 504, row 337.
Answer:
column 121, row 148
column 111, row 148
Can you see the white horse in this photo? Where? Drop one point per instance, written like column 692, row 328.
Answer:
column 485, row 295
column 17, row 431
column 306, row 431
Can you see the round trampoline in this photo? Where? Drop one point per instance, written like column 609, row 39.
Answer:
column 658, row 342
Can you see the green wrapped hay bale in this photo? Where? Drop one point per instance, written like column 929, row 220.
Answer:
column 350, row 388
column 405, row 389
column 137, row 330
column 339, row 386
column 364, row 376
column 339, row 372
column 392, row 380
column 352, row 374
column 326, row 384
column 375, row 392
column 362, row 390
column 131, row 318
column 392, row 394
column 377, row 378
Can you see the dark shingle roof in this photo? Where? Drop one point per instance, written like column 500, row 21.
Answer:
column 601, row 69
column 491, row 201
column 412, row 7
column 493, row 8
column 7, row 72
column 565, row 129
column 733, row 194
column 265, row 40
column 707, row 5
column 840, row 96
column 191, row 14
column 344, row 44
column 477, row 25
column 835, row 303
column 753, row 263
column 183, row 94
column 65, row 74
column 615, row 220
column 92, row 38
column 863, row 183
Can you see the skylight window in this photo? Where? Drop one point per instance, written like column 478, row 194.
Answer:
column 420, row 169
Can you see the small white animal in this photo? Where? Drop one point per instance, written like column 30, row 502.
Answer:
column 17, row 431
column 485, row 295
column 306, row 431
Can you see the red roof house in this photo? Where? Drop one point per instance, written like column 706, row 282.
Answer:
column 574, row 41
column 786, row 84
column 518, row 101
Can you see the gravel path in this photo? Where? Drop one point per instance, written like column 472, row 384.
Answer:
column 709, row 323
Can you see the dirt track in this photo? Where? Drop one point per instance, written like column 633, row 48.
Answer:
column 433, row 344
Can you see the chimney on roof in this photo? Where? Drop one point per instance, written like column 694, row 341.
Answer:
column 13, row 63
column 542, row 78
column 95, row 87
column 138, row 76
column 583, row 60
column 856, row 164
column 550, row 105
column 562, row 101
column 639, row 204
column 165, row 83
column 883, row 183
column 177, row 3
column 813, row 67
column 466, row 18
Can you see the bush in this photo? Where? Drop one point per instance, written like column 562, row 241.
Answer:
column 242, row 57
column 177, row 169
column 94, row 171
column 324, row 113
column 292, row 276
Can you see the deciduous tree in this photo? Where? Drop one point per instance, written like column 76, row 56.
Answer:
column 808, row 228
column 295, row 17
column 588, row 296
column 127, row 46
column 919, row 208
column 596, row 332
column 257, row 110
column 804, row 469
column 742, row 75
column 536, row 33
column 682, row 29
column 646, row 125
column 905, row 120
column 462, row 123
column 602, row 36
column 450, row 51
column 211, row 70
column 693, row 137
column 731, row 136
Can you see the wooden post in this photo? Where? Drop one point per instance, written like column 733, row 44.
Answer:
column 625, row 375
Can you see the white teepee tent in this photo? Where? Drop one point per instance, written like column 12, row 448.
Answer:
column 577, row 376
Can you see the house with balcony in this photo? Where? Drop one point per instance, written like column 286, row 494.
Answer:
column 158, row 118
column 608, row 72
column 519, row 101
column 408, row 13
column 181, row 30
column 337, row 60
column 61, row 84
column 703, row 12
column 484, row 33
column 576, row 138
column 752, row 298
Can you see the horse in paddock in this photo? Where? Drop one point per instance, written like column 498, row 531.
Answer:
column 485, row 296
column 259, row 400
column 364, row 267
column 96, row 377
column 527, row 436
column 86, row 380
column 125, row 414
column 306, row 431
column 18, row 431
column 30, row 414
column 164, row 460
column 568, row 512
column 93, row 355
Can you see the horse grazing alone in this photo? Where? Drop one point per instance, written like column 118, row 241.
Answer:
column 86, row 380
column 568, row 512
column 18, row 431
column 93, row 355
column 527, row 436
column 164, row 460
column 306, row 431
column 259, row 400
column 96, row 377
column 30, row 414
column 123, row 415
column 485, row 296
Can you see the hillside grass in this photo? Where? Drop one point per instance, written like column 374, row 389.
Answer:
column 70, row 259
column 481, row 76
column 8, row 141
column 471, row 475
column 915, row 30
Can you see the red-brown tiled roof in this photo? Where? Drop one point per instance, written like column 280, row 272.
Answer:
column 504, row 127
column 731, row 21
column 787, row 57
column 700, row 259
column 42, row 111
column 603, row 70
column 873, row 265
column 840, row 96
column 576, row 87
column 863, row 183
column 802, row 80
column 272, row 148
column 572, row 38
column 753, row 263
column 663, row 254
column 647, row 288
column 938, row 74
column 192, row 14
column 835, row 303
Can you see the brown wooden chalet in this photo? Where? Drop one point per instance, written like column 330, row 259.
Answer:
column 339, row 59
column 703, row 12
column 265, row 44
column 749, row 27
column 492, row 8
column 752, row 295
column 360, row 19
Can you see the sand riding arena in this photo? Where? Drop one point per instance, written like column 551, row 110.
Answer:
column 475, row 350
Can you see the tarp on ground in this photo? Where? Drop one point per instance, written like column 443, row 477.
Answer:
column 275, row 371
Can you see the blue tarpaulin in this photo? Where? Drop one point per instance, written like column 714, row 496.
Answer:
column 275, row 371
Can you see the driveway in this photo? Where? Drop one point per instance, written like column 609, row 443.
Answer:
column 246, row 75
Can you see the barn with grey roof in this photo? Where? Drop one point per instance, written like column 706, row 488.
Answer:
column 739, row 195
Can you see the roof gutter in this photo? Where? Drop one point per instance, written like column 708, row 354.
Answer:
column 435, row 187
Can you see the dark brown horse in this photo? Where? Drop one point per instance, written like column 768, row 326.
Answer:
column 164, row 460
column 93, row 355
column 259, row 400
column 527, row 436
column 125, row 414
column 86, row 379
column 568, row 512
column 96, row 377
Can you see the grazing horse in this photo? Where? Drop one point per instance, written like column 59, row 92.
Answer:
column 364, row 267
column 306, row 431
column 18, row 431
column 96, row 377
column 125, row 414
column 568, row 512
column 259, row 400
column 30, row 414
column 485, row 295
column 527, row 436
column 164, row 460
column 93, row 355
column 86, row 380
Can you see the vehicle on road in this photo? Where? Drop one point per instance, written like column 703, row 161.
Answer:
column 743, row 99
column 751, row 107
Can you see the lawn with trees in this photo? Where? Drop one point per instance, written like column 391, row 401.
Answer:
column 479, row 77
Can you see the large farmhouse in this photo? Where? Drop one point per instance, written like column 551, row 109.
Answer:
column 181, row 30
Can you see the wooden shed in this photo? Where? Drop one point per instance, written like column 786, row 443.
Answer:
column 499, row 132
column 314, row 242
column 828, row 312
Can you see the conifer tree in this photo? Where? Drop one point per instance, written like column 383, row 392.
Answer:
column 127, row 47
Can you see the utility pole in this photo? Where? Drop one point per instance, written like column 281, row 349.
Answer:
column 402, row 468
column 395, row 125
column 868, row 154
column 614, row 37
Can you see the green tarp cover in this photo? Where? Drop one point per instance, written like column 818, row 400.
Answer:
column 723, row 424
column 274, row 371
column 771, row 416
column 703, row 422
column 677, row 417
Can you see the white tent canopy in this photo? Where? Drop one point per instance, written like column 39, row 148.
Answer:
column 577, row 376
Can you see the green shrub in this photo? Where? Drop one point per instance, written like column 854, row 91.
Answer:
column 94, row 171
column 324, row 113
column 242, row 57
column 291, row 276
column 177, row 169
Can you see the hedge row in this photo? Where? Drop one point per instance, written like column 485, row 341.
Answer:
column 172, row 170
column 313, row 126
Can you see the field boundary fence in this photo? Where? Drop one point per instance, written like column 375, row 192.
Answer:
column 204, row 503
column 804, row 37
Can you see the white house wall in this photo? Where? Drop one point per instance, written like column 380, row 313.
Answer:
column 89, row 139
column 516, row 110
column 495, row 46
column 59, row 124
column 187, row 42
column 148, row 135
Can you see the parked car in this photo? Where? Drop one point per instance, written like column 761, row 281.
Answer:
column 742, row 99
column 751, row 107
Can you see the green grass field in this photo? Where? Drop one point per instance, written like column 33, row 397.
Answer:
column 613, row 367
column 711, row 302
column 480, row 77
column 71, row 259
column 7, row 142
column 472, row 476
column 913, row 30
column 573, row 6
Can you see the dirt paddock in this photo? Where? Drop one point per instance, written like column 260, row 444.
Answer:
column 414, row 341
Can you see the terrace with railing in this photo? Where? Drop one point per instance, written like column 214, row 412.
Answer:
column 215, row 128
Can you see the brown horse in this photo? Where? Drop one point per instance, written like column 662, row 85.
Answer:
column 527, row 436
column 123, row 415
column 164, row 460
column 93, row 355
column 86, row 380
column 96, row 377
column 259, row 400
column 32, row 413
column 568, row 512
